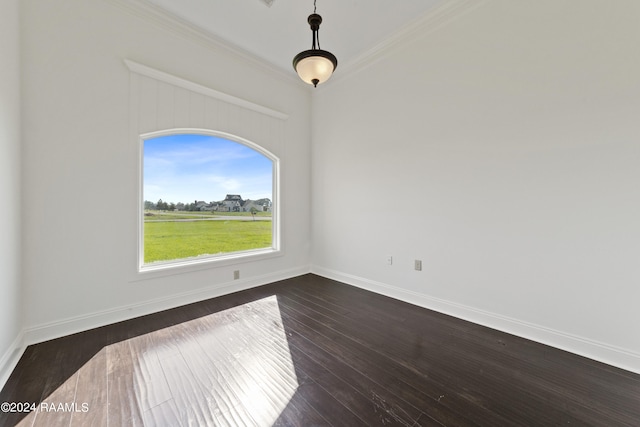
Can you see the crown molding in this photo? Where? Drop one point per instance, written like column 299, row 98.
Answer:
column 158, row 16
column 428, row 23
column 433, row 20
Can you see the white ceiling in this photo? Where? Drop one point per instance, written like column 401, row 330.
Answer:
column 278, row 32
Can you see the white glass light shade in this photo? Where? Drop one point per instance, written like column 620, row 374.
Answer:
column 315, row 66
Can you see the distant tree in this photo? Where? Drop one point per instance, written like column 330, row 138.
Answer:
column 163, row 206
column 180, row 206
column 172, row 206
column 253, row 211
column 149, row 205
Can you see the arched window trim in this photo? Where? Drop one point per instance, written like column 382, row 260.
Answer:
column 176, row 266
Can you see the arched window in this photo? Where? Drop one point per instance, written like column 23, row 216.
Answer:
column 206, row 196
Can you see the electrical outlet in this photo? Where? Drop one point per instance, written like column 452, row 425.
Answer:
column 417, row 265
column 236, row 274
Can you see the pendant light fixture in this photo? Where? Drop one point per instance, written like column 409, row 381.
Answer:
column 315, row 65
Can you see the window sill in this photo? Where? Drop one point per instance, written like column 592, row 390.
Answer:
column 171, row 268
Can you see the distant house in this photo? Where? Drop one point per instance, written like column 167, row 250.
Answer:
column 232, row 203
column 201, row 205
column 261, row 205
column 267, row 205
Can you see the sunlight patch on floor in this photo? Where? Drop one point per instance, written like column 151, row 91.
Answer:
column 228, row 368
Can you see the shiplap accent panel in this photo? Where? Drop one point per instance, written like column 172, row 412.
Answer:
column 161, row 102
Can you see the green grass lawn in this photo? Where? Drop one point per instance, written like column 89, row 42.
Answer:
column 165, row 241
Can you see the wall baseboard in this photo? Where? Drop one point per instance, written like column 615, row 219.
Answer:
column 10, row 358
column 57, row 329
column 601, row 352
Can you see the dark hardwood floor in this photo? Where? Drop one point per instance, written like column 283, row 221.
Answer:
column 310, row 351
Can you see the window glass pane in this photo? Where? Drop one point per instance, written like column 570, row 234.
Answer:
column 204, row 196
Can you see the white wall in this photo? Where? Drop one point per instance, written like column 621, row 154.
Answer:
column 10, row 147
column 81, row 166
column 501, row 149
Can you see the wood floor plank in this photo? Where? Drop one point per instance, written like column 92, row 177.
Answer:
column 45, row 416
column 164, row 414
column 312, row 351
column 426, row 421
column 27, row 379
column 251, row 359
column 416, row 318
column 91, row 398
column 370, row 411
column 545, row 380
column 333, row 411
column 383, row 396
column 420, row 391
column 492, row 396
column 187, row 392
column 123, row 406
column 148, row 376
column 299, row 413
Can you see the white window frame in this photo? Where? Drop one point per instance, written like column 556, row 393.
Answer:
column 208, row 261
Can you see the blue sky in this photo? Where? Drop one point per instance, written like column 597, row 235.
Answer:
column 184, row 168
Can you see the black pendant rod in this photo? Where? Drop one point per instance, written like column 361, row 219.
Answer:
column 314, row 21
column 315, row 27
